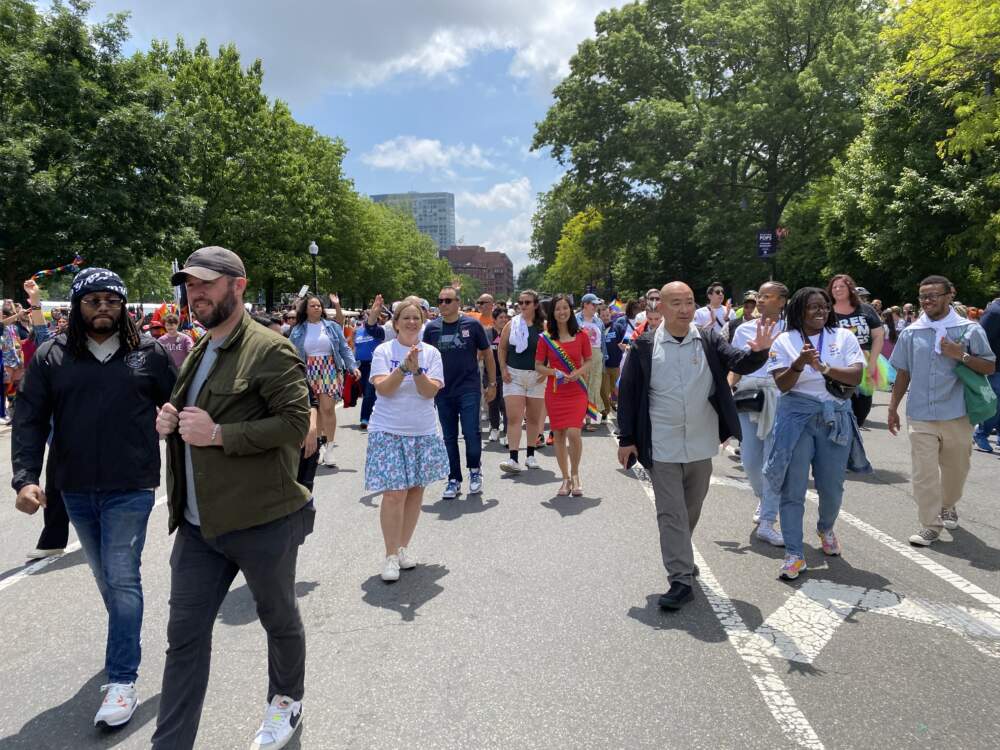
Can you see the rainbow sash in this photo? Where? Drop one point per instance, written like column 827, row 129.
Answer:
column 563, row 357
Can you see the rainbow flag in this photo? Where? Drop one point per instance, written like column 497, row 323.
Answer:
column 617, row 307
column 563, row 357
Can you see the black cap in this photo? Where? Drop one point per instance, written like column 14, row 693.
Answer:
column 208, row 264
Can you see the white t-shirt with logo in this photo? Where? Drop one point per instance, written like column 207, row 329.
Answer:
column 405, row 412
column 840, row 349
column 703, row 317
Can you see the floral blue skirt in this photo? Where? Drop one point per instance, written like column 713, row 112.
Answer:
column 398, row 462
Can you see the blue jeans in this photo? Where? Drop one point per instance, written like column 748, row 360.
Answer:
column 829, row 465
column 368, row 394
column 111, row 527
column 754, row 452
column 463, row 407
column 985, row 429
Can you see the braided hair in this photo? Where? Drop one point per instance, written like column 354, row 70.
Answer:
column 783, row 293
column 795, row 310
column 76, row 330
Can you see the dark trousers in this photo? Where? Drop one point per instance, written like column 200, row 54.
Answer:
column 498, row 409
column 861, row 405
column 368, row 394
column 464, row 409
column 201, row 572
column 307, row 469
column 55, row 532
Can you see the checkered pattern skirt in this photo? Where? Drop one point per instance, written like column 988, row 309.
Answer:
column 321, row 374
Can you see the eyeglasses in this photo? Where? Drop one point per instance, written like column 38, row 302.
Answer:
column 818, row 308
column 112, row 303
column 932, row 296
column 526, row 302
column 447, row 300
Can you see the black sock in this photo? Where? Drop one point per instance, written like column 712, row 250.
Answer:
column 531, row 451
column 513, row 456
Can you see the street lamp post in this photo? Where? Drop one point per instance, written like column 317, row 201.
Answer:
column 314, row 251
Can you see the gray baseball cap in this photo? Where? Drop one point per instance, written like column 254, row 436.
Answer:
column 208, row 264
column 591, row 298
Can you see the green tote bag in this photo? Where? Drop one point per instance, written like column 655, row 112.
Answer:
column 980, row 400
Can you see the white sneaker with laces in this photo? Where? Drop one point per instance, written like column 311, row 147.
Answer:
column 949, row 518
column 390, row 568
column 756, row 514
column 494, row 434
column 281, row 720
column 406, row 560
column 120, row 700
column 767, row 533
column 925, row 537
column 328, row 459
column 322, row 454
column 510, row 466
column 531, row 462
column 475, row 481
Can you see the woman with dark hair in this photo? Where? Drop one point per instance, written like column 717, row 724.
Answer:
column 323, row 347
column 564, row 356
column 816, row 364
column 890, row 327
column 861, row 320
column 523, row 388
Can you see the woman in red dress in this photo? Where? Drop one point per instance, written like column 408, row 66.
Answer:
column 565, row 400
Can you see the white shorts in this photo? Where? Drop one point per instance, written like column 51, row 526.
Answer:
column 524, row 383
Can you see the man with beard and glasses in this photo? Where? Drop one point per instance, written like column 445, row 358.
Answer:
column 96, row 388
column 234, row 425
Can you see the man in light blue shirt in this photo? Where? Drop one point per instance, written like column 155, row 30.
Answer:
column 926, row 357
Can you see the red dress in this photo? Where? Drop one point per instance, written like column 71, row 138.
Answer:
column 567, row 404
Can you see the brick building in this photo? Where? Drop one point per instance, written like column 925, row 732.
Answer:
column 493, row 270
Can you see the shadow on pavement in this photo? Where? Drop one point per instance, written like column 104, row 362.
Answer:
column 881, row 476
column 968, row 546
column 695, row 618
column 464, row 505
column 74, row 558
column 412, row 591
column 70, row 725
column 239, row 608
column 571, row 506
column 531, row 477
column 369, row 499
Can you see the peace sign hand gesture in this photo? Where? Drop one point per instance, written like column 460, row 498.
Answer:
column 765, row 336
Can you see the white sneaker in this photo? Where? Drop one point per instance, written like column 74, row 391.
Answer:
column 494, row 434
column 767, row 533
column 531, row 462
column 327, row 459
column 503, row 440
column 281, row 720
column 40, row 554
column 510, row 466
column 390, row 568
column 756, row 514
column 406, row 560
column 120, row 700
column 925, row 537
column 322, row 453
column 475, row 481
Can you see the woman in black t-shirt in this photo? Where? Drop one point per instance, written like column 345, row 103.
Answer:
column 866, row 325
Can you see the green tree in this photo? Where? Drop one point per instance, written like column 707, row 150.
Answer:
column 530, row 277
column 469, row 288
column 577, row 263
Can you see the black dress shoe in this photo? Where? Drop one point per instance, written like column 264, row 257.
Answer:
column 696, row 572
column 676, row 597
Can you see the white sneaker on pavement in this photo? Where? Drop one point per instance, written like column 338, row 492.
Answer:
column 510, row 466
column 494, row 434
column 767, row 533
column 531, row 462
column 475, row 481
column 406, row 560
column 503, row 440
column 281, row 720
column 120, row 700
column 756, row 514
column 390, row 568
column 328, row 459
column 41, row 554
column 925, row 537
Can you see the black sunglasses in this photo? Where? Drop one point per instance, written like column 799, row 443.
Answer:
column 447, row 300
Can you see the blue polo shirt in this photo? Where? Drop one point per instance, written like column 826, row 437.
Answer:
column 459, row 343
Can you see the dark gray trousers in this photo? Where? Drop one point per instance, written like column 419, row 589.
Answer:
column 201, row 573
column 679, row 491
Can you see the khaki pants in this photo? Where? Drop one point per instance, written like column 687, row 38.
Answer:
column 594, row 376
column 679, row 491
column 940, row 453
column 607, row 388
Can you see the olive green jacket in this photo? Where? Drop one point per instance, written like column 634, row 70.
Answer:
column 256, row 390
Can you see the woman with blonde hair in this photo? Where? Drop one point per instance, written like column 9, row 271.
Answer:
column 405, row 448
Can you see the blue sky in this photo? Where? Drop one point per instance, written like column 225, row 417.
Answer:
column 437, row 95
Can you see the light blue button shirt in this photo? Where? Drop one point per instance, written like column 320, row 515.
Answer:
column 936, row 393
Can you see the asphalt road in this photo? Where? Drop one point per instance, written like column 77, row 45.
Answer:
column 532, row 623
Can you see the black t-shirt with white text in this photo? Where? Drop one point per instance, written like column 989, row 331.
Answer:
column 861, row 323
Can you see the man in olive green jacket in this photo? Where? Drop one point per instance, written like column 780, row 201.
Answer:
column 234, row 424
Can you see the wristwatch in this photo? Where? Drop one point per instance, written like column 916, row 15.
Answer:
column 966, row 357
column 824, row 368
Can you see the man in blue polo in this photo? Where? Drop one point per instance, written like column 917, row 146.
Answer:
column 462, row 342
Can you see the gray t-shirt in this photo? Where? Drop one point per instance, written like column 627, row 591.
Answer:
column 200, row 375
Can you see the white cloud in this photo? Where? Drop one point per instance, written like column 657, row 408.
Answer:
column 514, row 238
column 311, row 47
column 406, row 153
column 505, row 196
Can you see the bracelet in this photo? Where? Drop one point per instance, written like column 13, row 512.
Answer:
column 35, row 307
column 215, row 432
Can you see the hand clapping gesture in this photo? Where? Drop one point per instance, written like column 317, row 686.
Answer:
column 412, row 360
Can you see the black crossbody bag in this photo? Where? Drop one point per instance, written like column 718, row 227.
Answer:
column 834, row 387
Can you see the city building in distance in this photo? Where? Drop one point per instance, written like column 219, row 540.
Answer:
column 493, row 270
column 433, row 212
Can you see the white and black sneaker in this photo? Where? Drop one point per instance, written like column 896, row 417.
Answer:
column 949, row 518
column 120, row 700
column 281, row 720
column 925, row 537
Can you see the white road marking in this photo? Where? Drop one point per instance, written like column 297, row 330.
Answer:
column 42, row 564
column 751, row 649
column 800, row 629
column 962, row 584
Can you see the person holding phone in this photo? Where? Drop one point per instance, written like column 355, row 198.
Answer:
column 674, row 409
